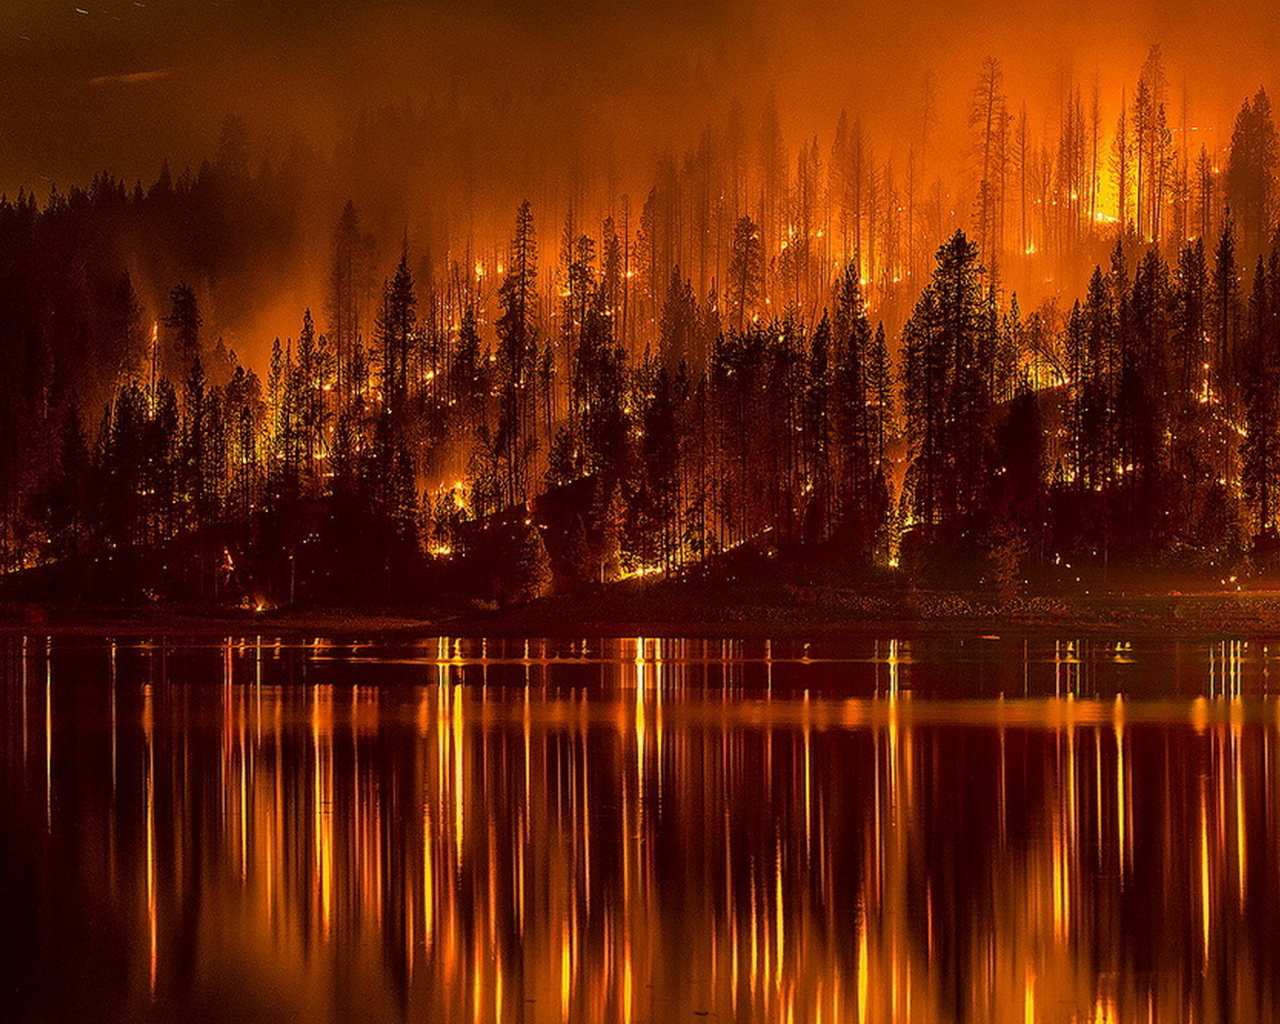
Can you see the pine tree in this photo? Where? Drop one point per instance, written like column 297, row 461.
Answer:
column 655, row 506
column 989, row 118
column 678, row 333
column 1260, row 450
column 857, row 415
column 1092, row 341
column 1144, row 396
column 182, row 324
column 948, row 370
column 1224, row 332
column 395, row 330
column 68, row 504
column 1151, row 145
column 196, row 484
column 531, row 575
column 745, row 281
column 818, row 436
column 1250, row 177
column 1121, row 158
column 348, row 288
column 517, row 329
column 578, row 258
column 312, row 414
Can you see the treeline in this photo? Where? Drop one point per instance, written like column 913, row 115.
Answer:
column 78, row 271
column 758, row 357
column 1142, row 426
column 371, row 470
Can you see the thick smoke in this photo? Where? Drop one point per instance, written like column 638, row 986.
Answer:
column 564, row 102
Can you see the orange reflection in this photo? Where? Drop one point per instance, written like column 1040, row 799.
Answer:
column 648, row 837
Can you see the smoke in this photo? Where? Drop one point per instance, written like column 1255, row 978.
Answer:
column 537, row 97
column 654, row 69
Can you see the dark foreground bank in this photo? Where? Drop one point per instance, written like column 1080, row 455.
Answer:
column 702, row 608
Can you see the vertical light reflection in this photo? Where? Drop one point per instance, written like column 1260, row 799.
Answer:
column 1097, row 793
column 499, row 987
column 26, row 661
column 585, row 816
column 1003, row 796
column 1117, row 724
column 1059, row 879
column 731, row 913
column 1205, row 893
column 754, row 921
column 113, row 680
column 147, row 732
column 1073, row 821
column 244, row 768
column 641, row 682
column 456, row 698
column 808, row 777
column 48, row 736
column 780, row 923
column 864, row 982
column 322, row 797
column 1237, row 774
column 566, row 976
column 578, row 871
column 477, row 979
column 428, row 881
column 523, row 824
column 659, row 685
column 428, row 857
column 628, row 995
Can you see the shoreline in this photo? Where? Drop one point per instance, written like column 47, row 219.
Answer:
column 684, row 613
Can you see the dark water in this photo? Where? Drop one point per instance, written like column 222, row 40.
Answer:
column 640, row 830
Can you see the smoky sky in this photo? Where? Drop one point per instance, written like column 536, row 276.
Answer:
column 123, row 84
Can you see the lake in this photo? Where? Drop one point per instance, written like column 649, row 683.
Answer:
column 943, row 829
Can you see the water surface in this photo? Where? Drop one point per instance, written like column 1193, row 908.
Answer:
column 947, row 830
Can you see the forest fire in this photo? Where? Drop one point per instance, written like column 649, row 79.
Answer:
column 876, row 346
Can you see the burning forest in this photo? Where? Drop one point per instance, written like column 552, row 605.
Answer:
column 985, row 346
column 623, row 511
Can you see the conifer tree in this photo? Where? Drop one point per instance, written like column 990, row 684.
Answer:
column 396, row 328
column 348, row 287
column 1250, row 178
column 517, row 330
column 182, row 324
column 1260, row 451
column 948, row 369
column 745, row 280
column 531, row 574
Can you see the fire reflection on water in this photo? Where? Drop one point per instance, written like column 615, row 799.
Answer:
column 640, row 830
